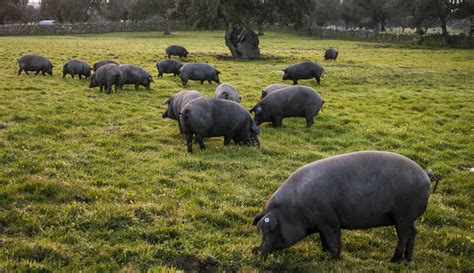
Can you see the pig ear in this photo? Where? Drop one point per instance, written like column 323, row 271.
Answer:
column 253, row 108
column 257, row 218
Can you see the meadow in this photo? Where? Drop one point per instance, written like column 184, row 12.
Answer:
column 100, row 182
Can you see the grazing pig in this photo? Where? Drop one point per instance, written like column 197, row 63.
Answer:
column 331, row 54
column 168, row 67
column 272, row 87
column 304, row 70
column 211, row 117
column 227, row 91
column 76, row 67
column 133, row 74
column 177, row 102
column 98, row 64
column 176, row 50
column 199, row 72
column 107, row 75
column 358, row 190
column 293, row 101
column 35, row 63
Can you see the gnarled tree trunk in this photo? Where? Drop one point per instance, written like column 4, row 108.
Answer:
column 242, row 42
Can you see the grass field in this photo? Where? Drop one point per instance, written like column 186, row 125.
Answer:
column 99, row 182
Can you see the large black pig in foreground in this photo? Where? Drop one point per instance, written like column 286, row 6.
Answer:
column 210, row 117
column 304, row 71
column 177, row 102
column 351, row 191
column 293, row 101
column 35, row 63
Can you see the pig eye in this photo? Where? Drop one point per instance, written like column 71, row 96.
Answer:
column 258, row 109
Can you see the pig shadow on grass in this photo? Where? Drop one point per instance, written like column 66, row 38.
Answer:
column 192, row 263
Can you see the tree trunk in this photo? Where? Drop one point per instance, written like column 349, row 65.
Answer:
column 260, row 29
column 382, row 25
column 242, row 42
column 60, row 17
column 444, row 28
column 167, row 26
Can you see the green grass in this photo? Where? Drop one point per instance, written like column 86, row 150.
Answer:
column 98, row 182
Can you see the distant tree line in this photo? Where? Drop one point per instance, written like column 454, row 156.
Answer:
column 241, row 17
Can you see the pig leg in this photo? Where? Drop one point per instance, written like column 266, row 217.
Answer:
column 136, row 86
column 324, row 243
column 37, row 72
column 101, row 88
column 410, row 243
column 403, row 232
column 202, row 82
column 277, row 122
column 309, row 121
column 227, row 140
column 184, row 82
column 43, row 73
column 209, row 81
column 80, row 76
column 189, row 142
column 161, row 75
column 318, row 80
column 333, row 241
column 174, row 75
column 72, row 76
column 295, row 81
column 26, row 72
column 64, row 75
column 199, row 139
column 179, row 126
column 19, row 71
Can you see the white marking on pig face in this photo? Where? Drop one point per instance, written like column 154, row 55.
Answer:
column 267, row 220
column 258, row 110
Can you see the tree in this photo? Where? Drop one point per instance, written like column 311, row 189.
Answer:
column 237, row 16
column 117, row 10
column 441, row 10
column 144, row 9
column 66, row 10
column 378, row 11
column 12, row 10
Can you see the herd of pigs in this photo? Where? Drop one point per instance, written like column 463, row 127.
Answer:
column 358, row 190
